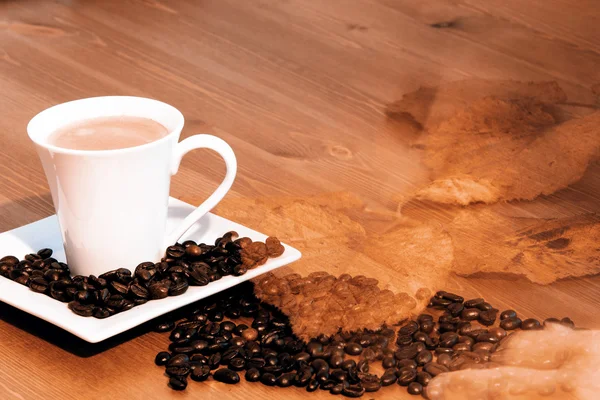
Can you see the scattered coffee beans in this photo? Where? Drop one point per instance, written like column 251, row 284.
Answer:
column 184, row 265
column 265, row 347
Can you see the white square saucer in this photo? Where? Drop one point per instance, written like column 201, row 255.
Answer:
column 46, row 233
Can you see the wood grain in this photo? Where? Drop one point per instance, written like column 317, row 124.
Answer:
column 299, row 89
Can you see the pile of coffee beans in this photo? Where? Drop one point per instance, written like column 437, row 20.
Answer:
column 234, row 334
column 186, row 264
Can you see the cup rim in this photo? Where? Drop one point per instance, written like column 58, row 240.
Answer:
column 42, row 143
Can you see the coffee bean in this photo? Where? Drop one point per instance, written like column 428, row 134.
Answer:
column 487, row 337
column 353, row 391
column 450, row 296
column 485, row 306
column 201, row 373
column 424, row 357
column 38, row 285
column 178, row 360
column 179, row 287
column 455, row 309
column 415, row 388
column 508, row 314
column 467, row 340
column 567, row 322
column 388, row 379
column 423, row 378
column 461, row 347
column 312, row 385
column 162, row 358
column 408, row 329
column 370, row 382
column 485, row 346
column 549, row 321
column 84, row 310
column 268, row 379
column 348, row 364
column 448, row 339
column 158, row 291
column 531, row 324
column 179, row 370
column 353, row 349
column 388, row 362
column 45, row 253
column 498, row 332
column 434, row 369
column 510, row 323
column 406, row 375
column 250, row 334
column 237, row 364
column 473, row 302
column 439, row 304
column 488, row 317
column 226, row 375
column 178, row 382
column 409, row 352
column 427, row 326
column 470, row 314
column 286, row 380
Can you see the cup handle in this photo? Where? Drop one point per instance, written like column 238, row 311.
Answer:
column 203, row 142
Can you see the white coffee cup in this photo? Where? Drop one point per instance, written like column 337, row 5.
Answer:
column 112, row 204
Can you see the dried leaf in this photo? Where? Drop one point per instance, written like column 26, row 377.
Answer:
column 542, row 250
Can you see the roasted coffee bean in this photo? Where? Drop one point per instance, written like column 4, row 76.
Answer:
column 101, row 313
column 339, row 375
column 158, row 291
column 427, row 326
column 201, row 373
column 444, row 359
column 337, row 389
column 269, row 379
column 439, row 304
column 322, row 376
column 226, row 375
column 424, row 357
column 498, row 332
column 388, row 379
column 507, row 314
column 178, row 360
column 38, row 285
column 252, row 375
column 303, row 376
column 488, row 317
column 485, row 346
column 286, row 380
column 434, row 369
column 404, row 340
column 408, row 329
column 84, row 310
column 353, row 391
column 409, row 352
column 250, row 334
column 470, row 314
column 549, row 321
column 370, row 382
column 423, row 378
column 510, row 323
column 461, row 347
column 44, row 253
column 567, row 322
column 406, row 363
column 162, row 358
column 388, row 362
column 487, row 337
column 179, row 370
column 476, row 332
column 531, row 324
column 449, row 296
column 455, row 309
column 444, row 350
column 353, row 349
column 348, row 364
column 473, row 302
column 448, row 339
column 406, row 375
column 415, row 388
column 179, row 287
column 176, row 251
column 178, row 382
column 214, row 360
column 485, row 306
column 362, row 366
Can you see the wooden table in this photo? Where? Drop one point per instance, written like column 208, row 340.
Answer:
column 298, row 88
